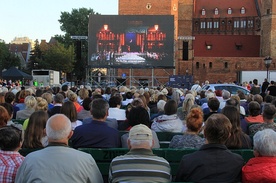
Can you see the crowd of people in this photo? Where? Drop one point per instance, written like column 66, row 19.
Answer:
column 60, row 120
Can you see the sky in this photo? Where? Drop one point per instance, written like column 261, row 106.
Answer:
column 38, row 19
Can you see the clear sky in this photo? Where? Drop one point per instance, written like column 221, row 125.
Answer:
column 38, row 19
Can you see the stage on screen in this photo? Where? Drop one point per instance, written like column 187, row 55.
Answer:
column 131, row 41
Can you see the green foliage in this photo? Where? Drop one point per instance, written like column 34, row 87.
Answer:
column 36, row 58
column 75, row 24
column 60, row 58
column 7, row 59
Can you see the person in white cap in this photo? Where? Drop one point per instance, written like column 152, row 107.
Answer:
column 139, row 164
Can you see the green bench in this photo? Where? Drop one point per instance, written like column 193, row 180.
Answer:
column 103, row 157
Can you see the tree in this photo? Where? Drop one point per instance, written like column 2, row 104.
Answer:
column 76, row 24
column 7, row 59
column 36, row 58
column 58, row 57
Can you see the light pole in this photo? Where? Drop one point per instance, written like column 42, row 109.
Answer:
column 267, row 62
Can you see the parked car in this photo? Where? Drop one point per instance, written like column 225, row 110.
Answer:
column 232, row 88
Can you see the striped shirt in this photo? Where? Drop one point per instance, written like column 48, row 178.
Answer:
column 9, row 163
column 139, row 165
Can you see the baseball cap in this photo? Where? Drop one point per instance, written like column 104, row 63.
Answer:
column 140, row 132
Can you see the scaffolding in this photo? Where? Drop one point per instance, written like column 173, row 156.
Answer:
column 111, row 78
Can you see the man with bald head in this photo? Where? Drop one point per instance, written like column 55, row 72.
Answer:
column 57, row 162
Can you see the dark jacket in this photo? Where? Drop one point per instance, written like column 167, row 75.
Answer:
column 212, row 163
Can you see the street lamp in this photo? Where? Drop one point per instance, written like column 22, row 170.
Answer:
column 267, row 62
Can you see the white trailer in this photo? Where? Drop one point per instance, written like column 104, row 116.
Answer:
column 259, row 75
column 46, row 77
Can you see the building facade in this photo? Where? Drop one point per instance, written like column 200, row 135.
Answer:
column 214, row 39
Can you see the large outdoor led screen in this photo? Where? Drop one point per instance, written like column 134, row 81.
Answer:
column 129, row 41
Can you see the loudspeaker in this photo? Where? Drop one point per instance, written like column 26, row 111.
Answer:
column 185, row 54
column 78, row 49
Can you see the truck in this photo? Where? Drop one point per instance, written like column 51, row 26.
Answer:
column 43, row 78
column 259, row 75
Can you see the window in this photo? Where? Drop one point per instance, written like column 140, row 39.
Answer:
column 197, row 65
column 202, row 25
column 216, row 25
column 209, row 25
column 203, row 12
column 236, row 24
column 268, row 11
column 243, row 23
column 225, row 65
column 242, row 10
column 229, row 11
column 216, row 11
column 210, row 64
column 250, row 23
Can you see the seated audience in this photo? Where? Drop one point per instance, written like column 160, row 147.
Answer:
column 268, row 116
column 128, row 100
column 49, row 98
column 73, row 98
column 169, row 121
column 190, row 138
column 139, row 164
column 85, row 112
column 136, row 116
column 57, row 162
column 57, row 102
column 255, row 116
column 30, row 103
column 34, row 136
column 160, row 109
column 262, row 167
column 187, row 104
column 10, row 159
column 4, row 116
column 213, row 105
column 10, row 98
column 69, row 110
column 96, row 133
column 213, row 162
column 114, row 110
column 238, row 139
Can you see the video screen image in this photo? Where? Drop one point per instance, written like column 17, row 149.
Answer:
column 131, row 41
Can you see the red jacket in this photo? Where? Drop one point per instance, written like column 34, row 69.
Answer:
column 260, row 170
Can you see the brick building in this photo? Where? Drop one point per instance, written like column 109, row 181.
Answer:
column 214, row 39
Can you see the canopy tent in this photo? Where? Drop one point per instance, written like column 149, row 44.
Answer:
column 15, row 74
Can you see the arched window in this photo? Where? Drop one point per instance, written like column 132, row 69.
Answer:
column 216, row 11
column 203, row 12
column 229, row 11
column 242, row 10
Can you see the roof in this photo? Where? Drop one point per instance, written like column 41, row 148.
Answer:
column 223, row 5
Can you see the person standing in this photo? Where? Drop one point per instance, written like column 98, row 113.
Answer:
column 271, row 90
column 139, row 164
column 57, row 162
column 255, row 89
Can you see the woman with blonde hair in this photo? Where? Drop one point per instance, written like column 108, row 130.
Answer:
column 188, row 102
column 30, row 103
column 190, row 138
column 73, row 98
